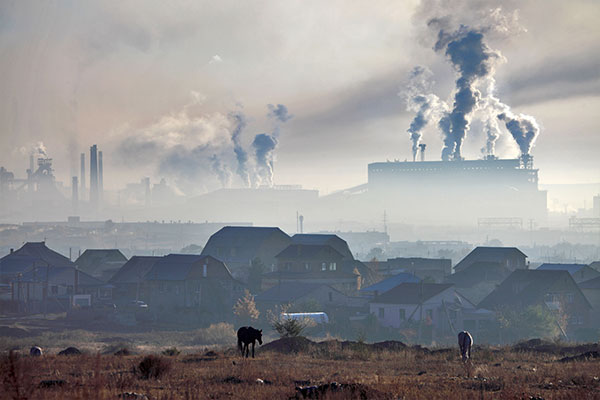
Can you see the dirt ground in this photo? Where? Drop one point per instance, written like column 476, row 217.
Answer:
column 299, row 368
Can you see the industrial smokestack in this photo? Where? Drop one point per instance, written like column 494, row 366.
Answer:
column 422, row 148
column 100, row 177
column 82, row 175
column 301, row 218
column 75, row 195
column 94, row 175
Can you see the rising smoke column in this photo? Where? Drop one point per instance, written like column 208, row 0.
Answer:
column 474, row 61
column 264, row 144
column 426, row 105
column 523, row 128
column 222, row 172
column 241, row 155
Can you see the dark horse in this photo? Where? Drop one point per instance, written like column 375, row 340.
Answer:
column 465, row 341
column 247, row 335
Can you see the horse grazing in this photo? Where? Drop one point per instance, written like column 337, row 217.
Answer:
column 465, row 341
column 36, row 351
column 247, row 335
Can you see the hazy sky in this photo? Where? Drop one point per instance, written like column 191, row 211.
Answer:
column 154, row 84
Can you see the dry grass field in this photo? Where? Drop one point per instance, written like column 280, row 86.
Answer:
column 384, row 371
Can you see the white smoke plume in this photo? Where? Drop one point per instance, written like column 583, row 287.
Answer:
column 239, row 121
column 420, row 100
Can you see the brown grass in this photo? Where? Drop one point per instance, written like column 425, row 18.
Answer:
column 395, row 374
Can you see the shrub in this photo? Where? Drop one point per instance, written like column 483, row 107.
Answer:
column 171, row 351
column 154, row 367
column 289, row 327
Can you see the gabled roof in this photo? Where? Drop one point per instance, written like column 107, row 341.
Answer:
column 324, row 239
column 480, row 271
column 390, row 283
column 595, row 265
column 570, row 268
column 412, row 293
column 177, row 267
column 93, row 260
column 593, row 283
column 307, row 251
column 30, row 254
column 525, row 287
column 483, row 253
column 134, row 270
column 246, row 239
column 60, row 276
column 288, row 292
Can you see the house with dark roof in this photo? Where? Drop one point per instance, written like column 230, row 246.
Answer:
column 553, row 289
column 186, row 281
column 388, row 283
column 579, row 272
column 129, row 279
column 433, row 270
column 299, row 294
column 237, row 246
column 591, row 291
column 336, row 242
column 479, row 279
column 29, row 256
column 101, row 263
column 52, row 288
column 509, row 257
column 437, row 307
column 320, row 264
column 595, row 265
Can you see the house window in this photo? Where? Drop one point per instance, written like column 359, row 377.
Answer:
column 324, row 267
column 381, row 312
column 288, row 266
column 332, row 266
column 204, row 268
column 54, row 290
column 330, row 296
column 402, row 314
column 570, row 297
column 307, row 266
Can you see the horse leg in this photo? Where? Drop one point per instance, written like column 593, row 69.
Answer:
column 253, row 349
column 247, row 348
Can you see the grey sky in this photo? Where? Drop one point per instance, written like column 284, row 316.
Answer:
column 152, row 81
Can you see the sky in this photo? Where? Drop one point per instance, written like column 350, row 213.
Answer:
column 161, row 87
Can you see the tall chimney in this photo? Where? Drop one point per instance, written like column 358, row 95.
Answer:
column 422, row 147
column 82, row 175
column 75, row 195
column 301, row 218
column 100, row 177
column 94, row 175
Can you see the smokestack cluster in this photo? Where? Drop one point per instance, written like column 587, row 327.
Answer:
column 75, row 195
column 82, row 174
column 94, row 176
column 474, row 63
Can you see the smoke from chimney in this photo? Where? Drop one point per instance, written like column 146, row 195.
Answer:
column 241, row 154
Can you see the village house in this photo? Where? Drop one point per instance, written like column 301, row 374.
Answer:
column 348, row 263
column 479, row 279
column 313, row 264
column 101, row 263
column 193, row 282
column 129, row 279
column 509, row 257
column 591, row 291
column 553, row 289
column 433, row 270
column 435, row 307
column 388, row 283
column 29, row 256
column 579, row 272
column 55, row 289
column 238, row 246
